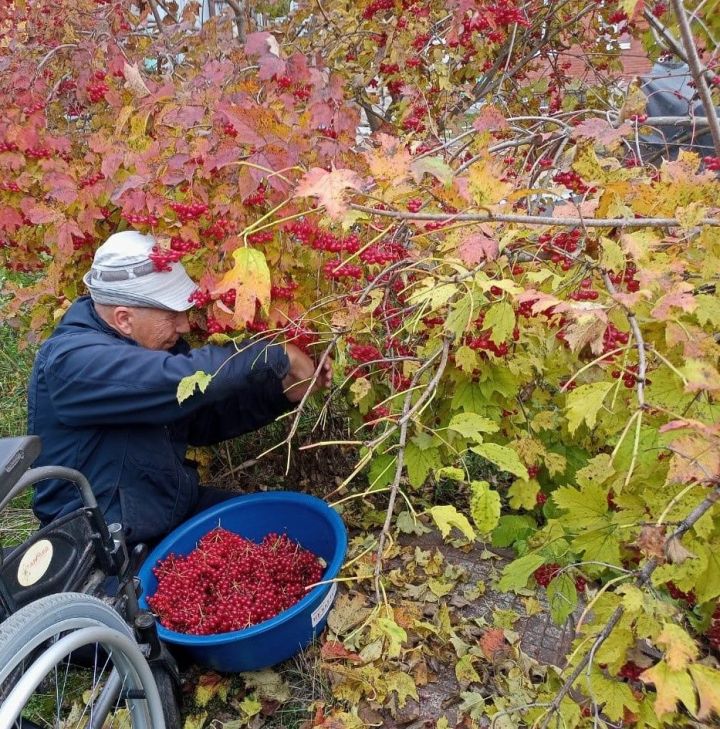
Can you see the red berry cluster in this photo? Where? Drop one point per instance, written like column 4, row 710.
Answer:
column 8, row 147
column 220, row 228
column 82, row 241
column 627, row 278
column 533, row 471
column 38, row 152
column 712, row 163
column 659, row 9
column 540, row 498
column 631, row 671
column 278, row 291
column 10, row 186
column 336, row 269
column 629, row 376
column 689, row 597
column 228, row 298
column 555, row 244
column 200, row 298
column 619, row 16
column 382, row 253
column 322, row 240
column 376, row 414
column 302, row 92
column 713, row 632
column 188, row 211
column 614, row 337
column 414, row 204
column 573, row 182
column 262, row 236
column 545, row 573
column 163, row 258
column 97, row 89
column 229, row 129
column 183, row 245
column 138, row 219
column 414, row 121
column 483, row 342
column 229, row 583
column 90, row 180
column 214, row 326
column 365, row 352
column 257, row 198
column 376, row 6
column 585, row 293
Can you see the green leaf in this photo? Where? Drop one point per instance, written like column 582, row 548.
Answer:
column 382, row 471
column 517, row 573
column 708, row 310
column 465, row 671
column 461, row 314
column 523, row 494
column 585, row 508
column 500, row 320
column 468, row 396
column 512, row 528
column 402, row 683
column 613, row 257
column 419, row 462
column 434, row 166
column 450, row 472
column 562, row 597
column 186, row 386
column 584, row 403
column 484, row 506
column 447, row 517
column 467, row 359
column 395, row 634
column 471, row 425
column 503, row 457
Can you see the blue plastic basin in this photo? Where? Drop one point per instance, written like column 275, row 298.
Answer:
column 305, row 519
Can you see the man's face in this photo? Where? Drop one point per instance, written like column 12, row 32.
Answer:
column 157, row 328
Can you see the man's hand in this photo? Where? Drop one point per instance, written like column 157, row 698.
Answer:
column 302, row 368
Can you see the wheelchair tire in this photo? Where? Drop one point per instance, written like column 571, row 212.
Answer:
column 36, row 648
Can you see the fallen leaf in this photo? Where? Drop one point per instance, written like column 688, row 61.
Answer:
column 349, row 610
column 493, row 643
column 335, row 650
column 269, row 684
column 209, row 686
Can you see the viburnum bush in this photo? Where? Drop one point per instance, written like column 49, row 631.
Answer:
column 229, row 583
column 450, row 200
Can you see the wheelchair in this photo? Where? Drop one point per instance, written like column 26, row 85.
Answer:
column 75, row 647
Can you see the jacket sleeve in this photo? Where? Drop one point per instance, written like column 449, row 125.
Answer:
column 114, row 383
column 249, row 409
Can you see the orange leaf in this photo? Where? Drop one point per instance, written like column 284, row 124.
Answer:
column 493, row 643
column 250, row 277
column 329, row 187
column 334, row 649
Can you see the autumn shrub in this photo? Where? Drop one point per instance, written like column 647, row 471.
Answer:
column 424, row 191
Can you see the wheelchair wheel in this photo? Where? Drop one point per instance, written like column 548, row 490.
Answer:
column 70, row 660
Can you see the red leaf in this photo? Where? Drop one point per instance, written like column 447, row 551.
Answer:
column 490, row 119
column 184, row 116
column 601, row 130
column 334, row 649
column 61, row 187
column 477, row 247
column 270, row 66
column 63, row 234
column 493, row 643
column 10, row 219
column 37, row 212
column 258, row 44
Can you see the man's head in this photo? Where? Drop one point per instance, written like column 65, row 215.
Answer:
column 135, row 299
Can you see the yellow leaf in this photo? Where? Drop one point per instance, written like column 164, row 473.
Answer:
column 523, row 494
column 465, row 671
column 250, row 705
column 584, row 403
column 671, row 687
column 195, row 721
column 447, row 517
column 707, row 683
column 390, row 163
column 268, row 684
column 680, row 648
column 250, row 277
column 403, row 684
column 209, row 686
column 394, row 633
column 484, row 506
column 134, row 81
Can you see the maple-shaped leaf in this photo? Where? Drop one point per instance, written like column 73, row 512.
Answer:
column 403, row 685
column 349, row 610
column 329, row 188
column 335, row 650
column 446, row 517
column 680, row 648
column 707, row 683
column 701, row 376
column 493, row 643
column 477, row 247
column 679, row 297
column 268, row 684
column 250, row 277
column 490, row 119
column 671, row 687
column 601, row 130
column 39, row 213
column 390, row 162
column 10, row 219
column 583, row 404
column 693, row 459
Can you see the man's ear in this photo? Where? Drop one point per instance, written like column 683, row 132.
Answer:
column 123, row 320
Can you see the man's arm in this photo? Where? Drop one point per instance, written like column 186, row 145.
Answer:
column 121, row 384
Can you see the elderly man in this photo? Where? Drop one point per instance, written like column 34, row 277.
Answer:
column 103, row 394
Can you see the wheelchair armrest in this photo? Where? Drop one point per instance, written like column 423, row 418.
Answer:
column 16, row 457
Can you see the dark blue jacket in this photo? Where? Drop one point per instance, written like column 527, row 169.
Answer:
column 108, row 407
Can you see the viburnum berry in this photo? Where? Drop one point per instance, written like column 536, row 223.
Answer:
column 229, row 583
column 540, row 498
column 545, row 573
column 631, row 671
column 712, row 163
